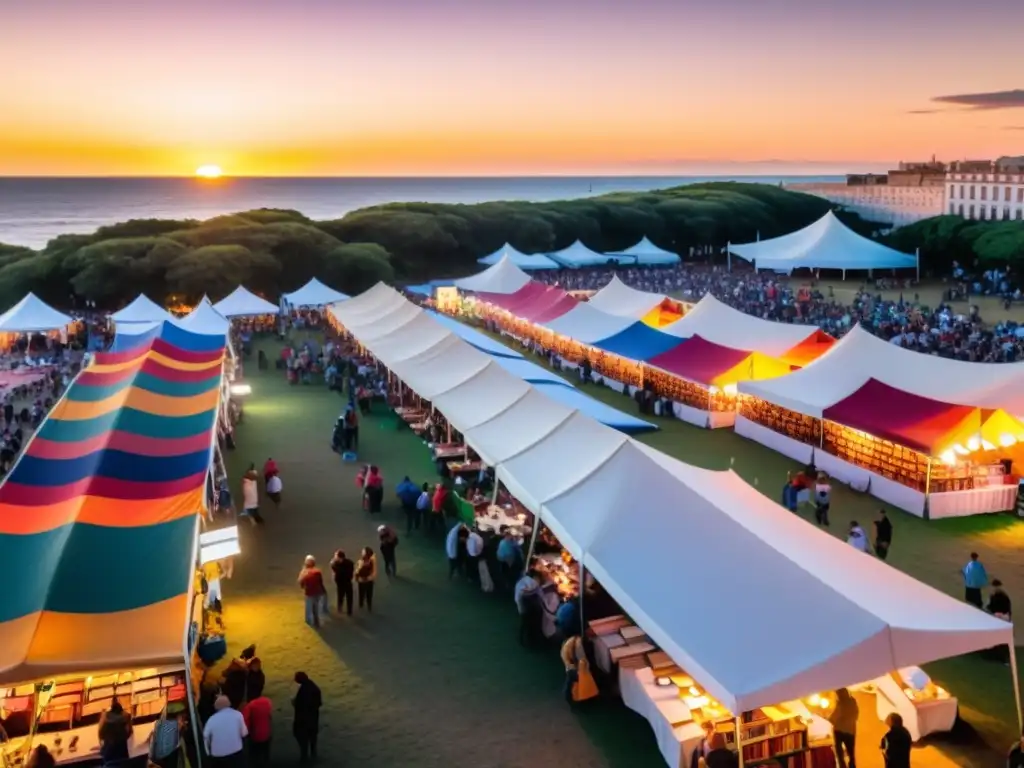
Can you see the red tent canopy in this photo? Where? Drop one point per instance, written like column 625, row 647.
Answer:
column 561, row 304
column 510, row 301
column 900, row 417
column 697, row 359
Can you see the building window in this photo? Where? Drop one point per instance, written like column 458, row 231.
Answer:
column 995, row 193
column 952, row 208
column 952, row 190
column 995, row 213
column 971, row 214
column 961, row 209
column 972, row 192
column 1020, row 214
column 1006, row 194
column 1006, row 213
column 961, row 191
column 984, row 193
column 1020, row 195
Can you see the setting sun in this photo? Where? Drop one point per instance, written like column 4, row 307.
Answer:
column 209, row 172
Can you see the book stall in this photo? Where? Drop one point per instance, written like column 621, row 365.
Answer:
column 63, row 712
column 925, row 707
column 969, row 478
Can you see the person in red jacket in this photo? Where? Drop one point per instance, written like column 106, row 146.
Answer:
column 437, row 505
column 311, row 581
column 258, row 714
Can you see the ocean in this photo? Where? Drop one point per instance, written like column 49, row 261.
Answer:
column 34, row 210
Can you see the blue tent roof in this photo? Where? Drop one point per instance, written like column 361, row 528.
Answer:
column 639, row 342
column 595, row 409
column 520, row 259
column 551, row 384
column 473, row 337
column 527, row 371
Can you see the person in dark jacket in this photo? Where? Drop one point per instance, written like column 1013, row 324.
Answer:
column 1015, row 759
column 306, row 725
column 344, row 571
column 720, row 756
column 896, row 743
column 999, row 602
column 844, row 728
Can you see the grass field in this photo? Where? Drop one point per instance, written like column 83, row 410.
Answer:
column 435, row 677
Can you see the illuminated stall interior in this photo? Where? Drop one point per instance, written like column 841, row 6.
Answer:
column 605, row 498
column 929, row 435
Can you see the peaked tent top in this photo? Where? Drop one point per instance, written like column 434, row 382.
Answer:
column 242, row 302
column 142, row 310
column 520, row 259
column 503, row 277
column 205, row 319
column 314, row 294
column 721, row 324
column 826, row 244
column 646, row 252
column 617, row 298
column 578, row 255
column 33, row 314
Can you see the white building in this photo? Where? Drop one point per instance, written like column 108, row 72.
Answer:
column 986, row 191
column 900, row 205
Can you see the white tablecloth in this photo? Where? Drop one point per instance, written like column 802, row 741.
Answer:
column 659, row 705
column 920, row 718
column 978, row 501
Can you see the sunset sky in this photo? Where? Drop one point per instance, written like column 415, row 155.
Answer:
column 477, row 87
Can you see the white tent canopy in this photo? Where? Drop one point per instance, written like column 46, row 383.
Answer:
column 503, row 277
column 647, row 253
column 825, row 244
column 520, row 259
column 32, row 314
column 242, row 302
column 314, row 294
column 578, row 255
column 721, row 324
column 142, row 310
column 587, row 324
column 617, row 298
column 851, row 617
column 205, row 319
column 860, row 356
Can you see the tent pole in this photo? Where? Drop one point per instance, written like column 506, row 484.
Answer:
column 583, row 589
column 728, row 255
column 533, row 538
column 1016, row 683
column 917, row 263
column 739, row 740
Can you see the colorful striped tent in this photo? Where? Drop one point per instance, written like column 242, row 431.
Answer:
column 98, row 518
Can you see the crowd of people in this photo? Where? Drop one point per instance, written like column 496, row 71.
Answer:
column 906, row 321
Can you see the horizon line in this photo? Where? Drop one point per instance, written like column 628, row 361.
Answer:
column 229, row 177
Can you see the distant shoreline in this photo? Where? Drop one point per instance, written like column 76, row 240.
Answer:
column 36, row 209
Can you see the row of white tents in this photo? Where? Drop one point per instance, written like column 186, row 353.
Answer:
column 652, row 530
column 825, row 244
column 33, row 315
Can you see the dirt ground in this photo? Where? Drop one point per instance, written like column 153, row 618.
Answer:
column 435, row 676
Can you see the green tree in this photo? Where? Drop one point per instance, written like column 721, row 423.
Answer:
column 213, row 270
column 358, row 266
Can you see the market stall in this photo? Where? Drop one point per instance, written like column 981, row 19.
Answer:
column 931, row 436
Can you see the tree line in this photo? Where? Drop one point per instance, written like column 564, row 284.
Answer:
column 272, row 250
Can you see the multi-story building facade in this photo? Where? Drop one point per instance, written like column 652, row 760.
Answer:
column 986, row 190
column 912, row 192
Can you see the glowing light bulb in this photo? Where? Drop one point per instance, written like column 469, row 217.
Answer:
column 987, row 445
column 1006, row 440
column 948, row 457
column 823, row 703
column 973, row 444
column 814, row 699
column 730, row 389
column 694, row 691
column 960, row 449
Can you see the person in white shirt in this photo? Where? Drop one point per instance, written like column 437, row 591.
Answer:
column 274, row 488
column 527, row 597
column 857, row 538
column 225, row 734
column 474, row 551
